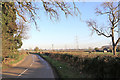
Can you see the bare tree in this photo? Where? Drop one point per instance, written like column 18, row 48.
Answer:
column 111, row 10
column 22, row 29
column 52, row 8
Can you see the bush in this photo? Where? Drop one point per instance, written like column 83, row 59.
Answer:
column 13, row 56
column 47, row 54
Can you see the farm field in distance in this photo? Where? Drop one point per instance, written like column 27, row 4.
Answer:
column 81, row 53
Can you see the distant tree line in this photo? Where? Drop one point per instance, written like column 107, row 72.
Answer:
column 106, row 48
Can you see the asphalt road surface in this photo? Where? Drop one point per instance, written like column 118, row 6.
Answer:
column 32, row 67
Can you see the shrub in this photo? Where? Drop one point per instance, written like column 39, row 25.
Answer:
column 13, row 56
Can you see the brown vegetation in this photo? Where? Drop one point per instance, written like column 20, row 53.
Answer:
column 97, row 66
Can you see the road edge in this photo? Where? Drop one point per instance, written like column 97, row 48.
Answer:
column 53, row 68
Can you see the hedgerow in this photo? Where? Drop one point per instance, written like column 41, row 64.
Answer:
column 97, row 66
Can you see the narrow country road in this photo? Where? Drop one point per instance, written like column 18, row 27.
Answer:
column 32, row 67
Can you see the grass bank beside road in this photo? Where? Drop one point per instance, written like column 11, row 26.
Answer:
column 21, row 57
column 63, row 69
column 13, row 61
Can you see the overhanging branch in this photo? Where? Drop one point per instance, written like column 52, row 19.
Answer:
column 94, row 25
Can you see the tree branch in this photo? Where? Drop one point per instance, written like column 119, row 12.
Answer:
column 100, row 32
column 20, row 15
column 93, row 25
column 117, row 41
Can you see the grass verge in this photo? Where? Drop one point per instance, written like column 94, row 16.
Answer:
column 15, row 61
column 63, row 69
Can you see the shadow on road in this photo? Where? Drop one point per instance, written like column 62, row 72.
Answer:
column 24, row 71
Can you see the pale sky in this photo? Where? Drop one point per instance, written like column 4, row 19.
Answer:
column 62, row 33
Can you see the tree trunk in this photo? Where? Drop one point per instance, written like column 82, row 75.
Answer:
column 113, row 42
column 114, row 50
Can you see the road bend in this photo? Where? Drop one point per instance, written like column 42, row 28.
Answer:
column 32, row 67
